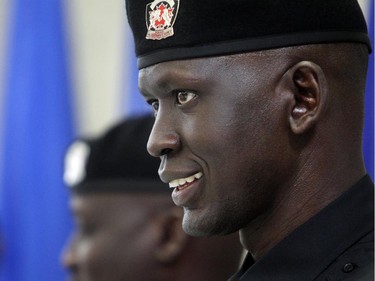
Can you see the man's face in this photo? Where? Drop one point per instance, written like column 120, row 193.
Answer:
column 112, row 239
column 220, row 120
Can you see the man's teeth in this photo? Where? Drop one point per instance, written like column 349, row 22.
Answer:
column 182, row 181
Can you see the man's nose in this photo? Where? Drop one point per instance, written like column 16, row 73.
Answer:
column 164, row 138
column 68, row 256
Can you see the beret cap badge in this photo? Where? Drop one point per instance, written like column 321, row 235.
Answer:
column 160, row 18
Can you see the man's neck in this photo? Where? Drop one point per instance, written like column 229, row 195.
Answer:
column 292, row 209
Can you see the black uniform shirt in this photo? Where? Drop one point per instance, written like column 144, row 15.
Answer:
column 336, row 244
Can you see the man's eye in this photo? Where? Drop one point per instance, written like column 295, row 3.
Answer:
column 184, row 97
column 154, row 104
column 86, row 229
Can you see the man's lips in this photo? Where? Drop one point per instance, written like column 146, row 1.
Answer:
column 183, row 181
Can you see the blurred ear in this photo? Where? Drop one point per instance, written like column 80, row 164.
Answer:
column 173, row 240
column 306, row 84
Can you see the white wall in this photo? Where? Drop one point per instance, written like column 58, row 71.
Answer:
column 365, row 5
column 97, row 32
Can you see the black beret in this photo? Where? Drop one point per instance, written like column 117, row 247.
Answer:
column 116, row 161
column 166, row 30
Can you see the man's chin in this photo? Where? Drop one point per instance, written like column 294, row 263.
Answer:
column 197, row 225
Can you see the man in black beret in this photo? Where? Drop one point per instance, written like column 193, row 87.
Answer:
column 259, row 118
column 127, row 226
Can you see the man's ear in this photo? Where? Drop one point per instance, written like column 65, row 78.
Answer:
column 306, row 85
column 173, row 239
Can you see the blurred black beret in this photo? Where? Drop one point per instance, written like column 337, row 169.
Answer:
column 115, row 161
column 166, row 30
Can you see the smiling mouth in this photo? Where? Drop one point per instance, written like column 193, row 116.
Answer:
column 185, row 181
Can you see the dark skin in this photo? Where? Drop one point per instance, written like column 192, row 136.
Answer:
column 122, row 236
column 276, row 136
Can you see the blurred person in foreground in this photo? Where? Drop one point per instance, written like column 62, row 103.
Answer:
column 127, row 227
column 262, row 103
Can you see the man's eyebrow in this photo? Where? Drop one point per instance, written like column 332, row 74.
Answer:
column 77, row 212
column 158, row 82
column 158, row 85
column 147, row 97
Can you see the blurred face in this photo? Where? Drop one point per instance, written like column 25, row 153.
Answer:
column 219, row 131
column 112, row 240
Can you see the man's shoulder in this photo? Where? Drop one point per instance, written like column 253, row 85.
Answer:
column 356, row 263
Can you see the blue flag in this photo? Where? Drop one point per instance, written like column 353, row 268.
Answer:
column 34, row 216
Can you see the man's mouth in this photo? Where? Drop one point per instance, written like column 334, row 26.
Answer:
column 184, row 181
